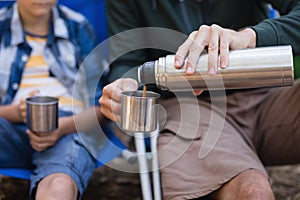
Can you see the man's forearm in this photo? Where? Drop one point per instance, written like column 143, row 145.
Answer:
column 84, row 121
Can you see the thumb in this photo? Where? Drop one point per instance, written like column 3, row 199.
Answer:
column 129, row 84
column 33, row 93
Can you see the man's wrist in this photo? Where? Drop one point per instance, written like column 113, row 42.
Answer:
column 250, row 37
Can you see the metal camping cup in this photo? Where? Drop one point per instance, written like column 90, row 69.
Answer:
column 42, row 113
column 138, row 112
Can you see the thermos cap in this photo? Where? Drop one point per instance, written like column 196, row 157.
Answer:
column 146, row 73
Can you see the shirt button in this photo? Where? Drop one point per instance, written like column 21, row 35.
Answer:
column 24, row 58
column 15, row 86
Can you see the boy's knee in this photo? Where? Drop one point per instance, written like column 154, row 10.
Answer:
column 60, row 181
column 57, row 184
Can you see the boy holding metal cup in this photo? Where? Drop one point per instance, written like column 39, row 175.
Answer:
column 42, row 47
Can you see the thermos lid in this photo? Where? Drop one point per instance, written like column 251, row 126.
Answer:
column 146, row 73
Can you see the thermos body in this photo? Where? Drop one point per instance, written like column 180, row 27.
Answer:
column 248, row 68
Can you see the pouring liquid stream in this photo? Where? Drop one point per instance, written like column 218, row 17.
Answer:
column 144, row 90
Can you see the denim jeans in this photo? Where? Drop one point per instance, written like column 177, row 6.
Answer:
column 67, row 156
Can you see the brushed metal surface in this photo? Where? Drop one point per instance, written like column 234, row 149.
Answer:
column 248, row 68
column 42, row 113
column 138, row 112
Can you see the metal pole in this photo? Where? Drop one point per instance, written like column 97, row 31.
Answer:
column 155, row 166
column 143, row 166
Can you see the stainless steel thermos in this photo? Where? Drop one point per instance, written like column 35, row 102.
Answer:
column 248, row 68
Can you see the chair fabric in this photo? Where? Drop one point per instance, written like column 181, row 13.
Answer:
column 16, row 172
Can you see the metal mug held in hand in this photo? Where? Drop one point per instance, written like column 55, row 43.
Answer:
column 139, row 112
column 42, row 113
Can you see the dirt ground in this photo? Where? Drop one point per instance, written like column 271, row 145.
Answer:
column 110, row 184
column 106, row 184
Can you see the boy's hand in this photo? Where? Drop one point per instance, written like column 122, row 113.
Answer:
column 22, row 105
column 42, row 141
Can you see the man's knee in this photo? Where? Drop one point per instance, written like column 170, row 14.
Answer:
column 255, row 190
column 251, row 184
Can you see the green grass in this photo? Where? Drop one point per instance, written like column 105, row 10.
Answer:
column 297, row 66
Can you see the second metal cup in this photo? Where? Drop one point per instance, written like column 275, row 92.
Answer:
column 138, row 112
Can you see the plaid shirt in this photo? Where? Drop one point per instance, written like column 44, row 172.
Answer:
column 69, row 41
